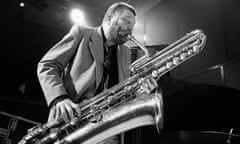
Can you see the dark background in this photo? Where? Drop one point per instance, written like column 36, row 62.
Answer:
column 27, row 33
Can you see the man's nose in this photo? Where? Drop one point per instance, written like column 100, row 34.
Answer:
column 130, row 28
column 129, row 31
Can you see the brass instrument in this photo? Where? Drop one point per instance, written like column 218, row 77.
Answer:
column 124, row 106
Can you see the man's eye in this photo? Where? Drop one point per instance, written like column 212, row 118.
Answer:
column 127, row 22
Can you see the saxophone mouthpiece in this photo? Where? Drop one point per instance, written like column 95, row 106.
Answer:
column 129, row 37
column 124, row 34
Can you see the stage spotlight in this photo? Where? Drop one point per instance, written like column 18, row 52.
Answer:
column 22, row 4
column 77, row 17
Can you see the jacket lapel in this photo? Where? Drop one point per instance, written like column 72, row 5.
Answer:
column 96, row 47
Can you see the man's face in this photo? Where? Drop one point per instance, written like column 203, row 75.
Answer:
column 121, row 24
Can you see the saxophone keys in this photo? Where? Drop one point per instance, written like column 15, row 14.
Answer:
column 147, row 85
column 176, row 60
column 195, row 48
column 190, row 51
column 169, row 64
column 155, row 73
column 110, row 101
column 162, row 69
column 95, row 114
column 183, row 56
column 141, row 80
column 96, row 118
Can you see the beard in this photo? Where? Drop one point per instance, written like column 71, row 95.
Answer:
column 121, row 39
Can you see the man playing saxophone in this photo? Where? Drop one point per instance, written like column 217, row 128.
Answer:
column 85, row 62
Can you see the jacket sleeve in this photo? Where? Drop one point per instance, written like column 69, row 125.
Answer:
column 52, row 65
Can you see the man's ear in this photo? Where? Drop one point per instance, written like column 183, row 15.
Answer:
column 109, row 19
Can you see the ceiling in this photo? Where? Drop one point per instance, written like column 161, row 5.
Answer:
column 55, row 12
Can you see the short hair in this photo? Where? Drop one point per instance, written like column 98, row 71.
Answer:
column 118, row 7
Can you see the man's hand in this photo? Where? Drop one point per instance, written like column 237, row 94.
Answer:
column 147, row 85
column 66, row 110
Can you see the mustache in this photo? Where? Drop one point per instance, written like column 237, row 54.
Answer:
column 124, row 33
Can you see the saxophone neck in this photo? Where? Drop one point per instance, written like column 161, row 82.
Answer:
column 137, row 63
column 141, row 46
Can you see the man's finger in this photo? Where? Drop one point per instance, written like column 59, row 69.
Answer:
column 77, row 110
column 69, row 110
column 58, row 114
column 54, row 112
column 64, row 114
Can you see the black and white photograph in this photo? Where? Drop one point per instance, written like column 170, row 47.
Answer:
column 120, row 72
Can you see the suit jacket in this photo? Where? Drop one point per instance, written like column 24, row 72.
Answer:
column 74, row 66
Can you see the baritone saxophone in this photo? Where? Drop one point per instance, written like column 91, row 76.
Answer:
column 126, row 105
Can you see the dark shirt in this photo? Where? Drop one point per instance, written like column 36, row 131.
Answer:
column 110, row 67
